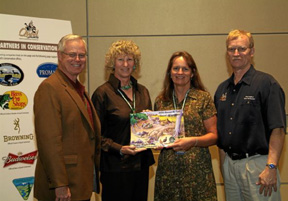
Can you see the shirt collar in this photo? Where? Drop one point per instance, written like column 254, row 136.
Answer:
column 78, row 86
column 247, row 77
column 192, row 94
column 116, row 84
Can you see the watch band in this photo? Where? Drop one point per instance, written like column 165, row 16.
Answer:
column 271, row 166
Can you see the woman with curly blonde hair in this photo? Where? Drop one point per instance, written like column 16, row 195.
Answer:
column 124, row 169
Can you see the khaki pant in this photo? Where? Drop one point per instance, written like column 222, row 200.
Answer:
column 241, row 176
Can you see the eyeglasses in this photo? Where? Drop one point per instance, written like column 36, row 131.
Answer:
column 239, row 49
column 74, row 55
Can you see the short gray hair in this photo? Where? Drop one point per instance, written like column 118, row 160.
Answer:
column 64, row 39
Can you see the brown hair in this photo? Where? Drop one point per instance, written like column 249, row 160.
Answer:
column 168, row 86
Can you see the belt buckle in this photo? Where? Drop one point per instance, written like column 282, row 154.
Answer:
column 235, row 156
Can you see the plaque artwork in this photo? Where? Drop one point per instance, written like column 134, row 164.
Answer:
column 156, row 128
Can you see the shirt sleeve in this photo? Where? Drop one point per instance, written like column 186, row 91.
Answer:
column 48, row 130
column 99, row 100
column 209, row 107
column 276, row 115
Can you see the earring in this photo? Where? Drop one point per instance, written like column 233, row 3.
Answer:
column 134, row 67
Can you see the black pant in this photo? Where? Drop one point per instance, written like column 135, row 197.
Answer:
column 125, row 186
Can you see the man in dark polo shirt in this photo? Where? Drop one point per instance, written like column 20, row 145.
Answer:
column 251, row 125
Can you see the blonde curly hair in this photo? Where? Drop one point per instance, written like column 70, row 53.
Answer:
column 120, row 47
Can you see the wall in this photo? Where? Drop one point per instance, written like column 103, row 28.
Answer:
column 161, row 27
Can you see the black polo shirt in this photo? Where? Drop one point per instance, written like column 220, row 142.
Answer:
column 248, row 112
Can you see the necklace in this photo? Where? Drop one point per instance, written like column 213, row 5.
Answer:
column 184, row 101
column 132, row 108
column 126, row 87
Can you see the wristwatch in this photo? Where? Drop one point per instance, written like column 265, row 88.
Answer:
column 271, row 166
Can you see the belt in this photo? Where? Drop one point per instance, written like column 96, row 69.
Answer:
column 239, row 156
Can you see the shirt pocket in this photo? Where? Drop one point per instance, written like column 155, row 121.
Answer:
column 248, row 112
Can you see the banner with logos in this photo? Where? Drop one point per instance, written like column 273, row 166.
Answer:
column 28, row 54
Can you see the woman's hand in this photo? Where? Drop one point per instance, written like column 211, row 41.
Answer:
column 183, row 144
column 158, row 147
column 146, row 110
column 131, row 150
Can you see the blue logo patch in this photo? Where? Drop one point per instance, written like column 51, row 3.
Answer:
column 10, row 74
column 46, row 69
column 24, row 186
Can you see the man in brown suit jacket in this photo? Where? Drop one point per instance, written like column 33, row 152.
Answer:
column 67, row 130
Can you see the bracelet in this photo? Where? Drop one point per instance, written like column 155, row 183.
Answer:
column 196, row 142
column 121, row 153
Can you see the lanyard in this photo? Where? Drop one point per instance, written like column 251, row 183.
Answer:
column 132, row 108
column 183, row 104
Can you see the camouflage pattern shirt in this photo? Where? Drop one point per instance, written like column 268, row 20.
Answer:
column 188, row 176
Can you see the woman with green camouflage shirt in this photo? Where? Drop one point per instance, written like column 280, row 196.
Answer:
column 184, row 169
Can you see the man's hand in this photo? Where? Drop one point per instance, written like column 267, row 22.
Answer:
column 268, row 181
column 63, row 193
